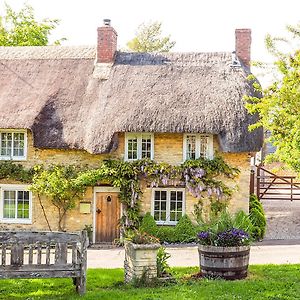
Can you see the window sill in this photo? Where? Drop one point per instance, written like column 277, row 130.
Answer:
column 166, row 223
column 13, row 158
column 16, row 221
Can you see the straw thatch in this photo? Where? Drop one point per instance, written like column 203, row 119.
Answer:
column 55, row 92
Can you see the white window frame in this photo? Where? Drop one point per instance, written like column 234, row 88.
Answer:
column 15, row 187
column 168, row 190
column 12, row 157
column 139, row 135
column 210, row 146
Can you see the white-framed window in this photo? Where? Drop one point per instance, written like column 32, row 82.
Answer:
column 139, row 145
column 197, row 145
column 167, row 205
column 13, row 145
column 15, row 204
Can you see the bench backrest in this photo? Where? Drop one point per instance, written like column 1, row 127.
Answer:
column 27, row 251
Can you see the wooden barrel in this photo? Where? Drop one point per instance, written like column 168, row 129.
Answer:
column 224, row 262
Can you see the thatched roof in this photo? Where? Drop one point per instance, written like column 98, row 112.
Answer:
column 55, row 92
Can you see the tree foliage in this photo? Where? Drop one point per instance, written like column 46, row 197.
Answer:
column 149, row 39
column 279, row 108
column 22, row 29
column 58, row 183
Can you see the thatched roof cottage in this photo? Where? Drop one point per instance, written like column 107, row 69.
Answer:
column 84, row 104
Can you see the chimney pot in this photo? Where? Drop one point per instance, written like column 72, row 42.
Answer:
column 243, row 45
column 106, row 43
column 106, row 22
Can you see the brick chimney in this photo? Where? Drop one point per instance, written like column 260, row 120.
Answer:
column 106, row 43
column 243, row 45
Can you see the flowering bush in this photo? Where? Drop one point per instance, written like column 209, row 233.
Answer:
column 226, row 231
column 138, row 237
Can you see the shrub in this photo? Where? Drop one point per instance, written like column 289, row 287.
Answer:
column 148, row 225
column 185, row 231
column 167, row 234
column 257, row 218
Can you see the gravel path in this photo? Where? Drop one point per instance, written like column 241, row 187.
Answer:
column 283, row 219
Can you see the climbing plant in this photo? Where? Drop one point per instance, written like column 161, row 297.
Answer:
column 66, row 184
column 57, row 183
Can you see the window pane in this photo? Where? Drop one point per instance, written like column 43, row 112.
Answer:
column 156, row 216
column 9, row 208
column 203, row 146
column 173, row 216
column 6, row 143
column 23, row 204
column 157, row 195
column 190, row 147
column 173, row 195
column 160, row 205
column 163, row 216
column 146, row 146
column 132, row 148
column 176, row 205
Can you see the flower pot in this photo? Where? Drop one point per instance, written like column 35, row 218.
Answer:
column 140, row 261
column 224, row 262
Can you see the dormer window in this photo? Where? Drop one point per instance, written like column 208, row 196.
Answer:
column 138, row 146
column 13, row 145
column 197, row 145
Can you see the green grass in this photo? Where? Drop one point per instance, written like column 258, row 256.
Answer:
column 264, row 282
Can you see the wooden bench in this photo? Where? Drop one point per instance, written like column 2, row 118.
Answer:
column 44, row 255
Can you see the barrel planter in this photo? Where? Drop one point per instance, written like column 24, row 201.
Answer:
column 224, row 262
column 140, row 261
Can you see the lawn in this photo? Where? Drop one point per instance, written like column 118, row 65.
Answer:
column 264, row 282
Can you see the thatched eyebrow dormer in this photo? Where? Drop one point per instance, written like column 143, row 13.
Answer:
column 52, row 91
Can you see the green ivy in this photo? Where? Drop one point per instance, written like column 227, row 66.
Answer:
column 10, row 170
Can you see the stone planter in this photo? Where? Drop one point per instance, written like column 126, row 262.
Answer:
column 140, row 261
column 224, row 262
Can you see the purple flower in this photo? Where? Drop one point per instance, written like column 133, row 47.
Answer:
column 203, row 235
column 232, row 237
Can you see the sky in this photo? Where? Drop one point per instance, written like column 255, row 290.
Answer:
column 195, row 25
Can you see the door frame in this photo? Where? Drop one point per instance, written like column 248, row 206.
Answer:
column 102, row 189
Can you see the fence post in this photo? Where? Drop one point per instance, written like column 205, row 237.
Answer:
column 252, row 176
column 291, row 189
column 258, row 181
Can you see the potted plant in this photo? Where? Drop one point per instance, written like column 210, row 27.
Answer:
column 224, row 246
column 140, row 256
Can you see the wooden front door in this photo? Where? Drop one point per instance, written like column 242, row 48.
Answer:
column 107, row 217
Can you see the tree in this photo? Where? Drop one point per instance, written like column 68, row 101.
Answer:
column 149, row 39
column 22, row 29
column 279, row 108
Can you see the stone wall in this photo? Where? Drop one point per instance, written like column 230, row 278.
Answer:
column 168, row 148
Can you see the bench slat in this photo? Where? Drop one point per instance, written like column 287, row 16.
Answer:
column 74, row 253
column 61, row 253
column 3, row 255
column 23, row 237
column 48, row 254
column 26, row 268
column 30, row 255
column 39, row 254
column 40, row 274
column 17, row 255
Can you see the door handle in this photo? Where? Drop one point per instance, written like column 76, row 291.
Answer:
column 98, row 210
